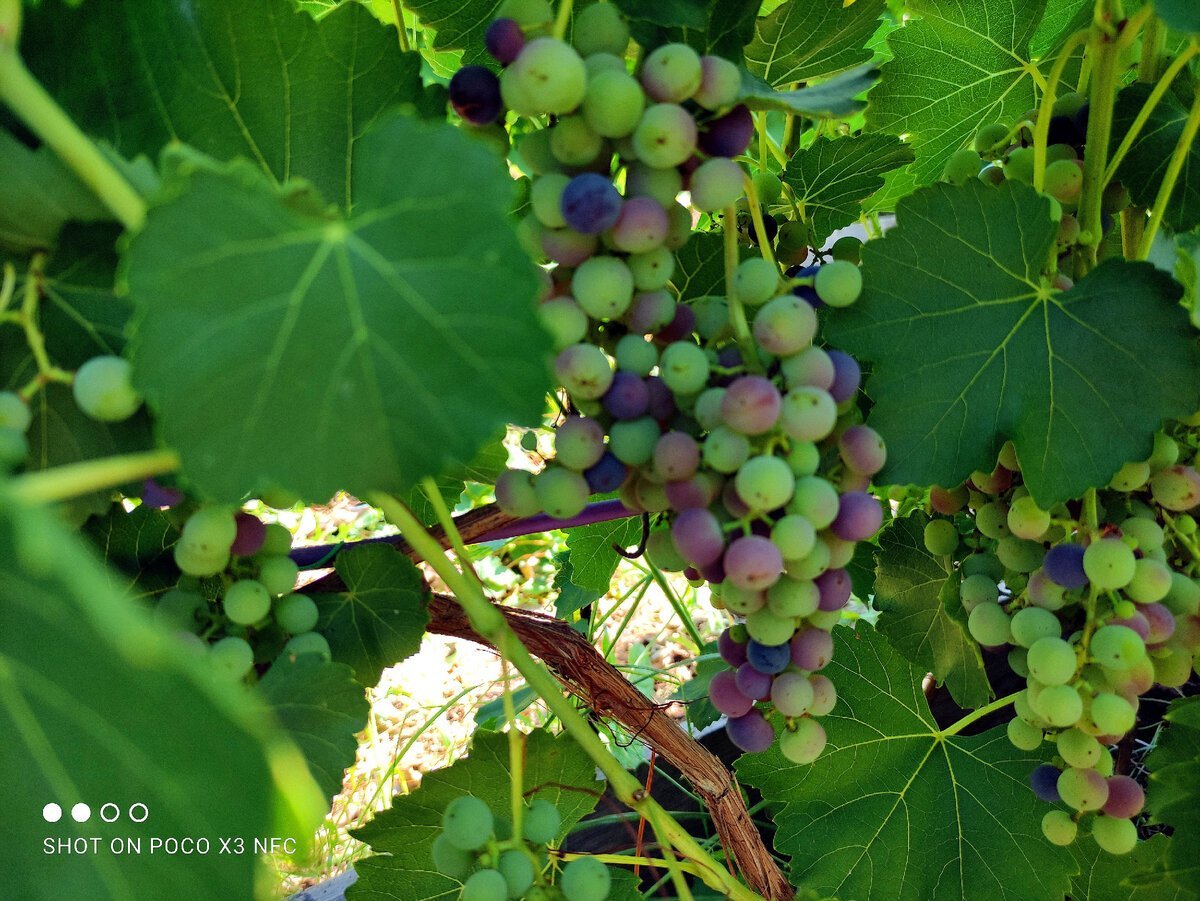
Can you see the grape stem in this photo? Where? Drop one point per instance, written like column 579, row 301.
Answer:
column 489, row 622
column 75, row 479
column 47, row 372
column 756, row 217
column 30, row 102
column 398, row 11
column 1182, row 150
column 630, row 860
column 1103, row 51
column 737, row 312
column 563, row 20
column 978, row 714
column 676, row 605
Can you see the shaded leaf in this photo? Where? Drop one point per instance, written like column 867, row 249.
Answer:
column 457, row 24
column 1182, row 15
column 803, row 39
column 1137, row 876
column 1173, row 792
column 571, row 597
column 838, row 98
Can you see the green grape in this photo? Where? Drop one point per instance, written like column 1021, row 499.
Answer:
column 546, row 199
column 725, row 450
column 1079, row 749
column 585, row 879
column 803, row 742
column 177, row 610
column 614, row 104
column 793, row 241
column 1082, row 789
column 1131, row 476
column 808, row 414
column 296, row 613
column 231, row 658
column 561, row 492
column 683, row 367
column 1020, row 555
column 720, row 83
column 1117, row 647
column 517, row 870
column 665, row 137
column 716, row 184
column 662, row 552
column 210, row 530
column 962, row 166
column 1024, row 736
column 793, row 598
column 528, row 13
column 451, row 861
column 1033, row 623
column 1018, row 661
column 548, row 77
column 1114, row 835
column 278, row 574
column 467, row 822
column 768, row 187
column 767, row 628
column 848, row 248
column 742, row 601
column 541, row 822
column 983, row 564
column 573, row 142
column 308, row 643
column 653, row 269
column 977, row 590
column 1146, row 532
column 1109, row 563
column 278, row 540
column 603, row 286
column 816, row 500
column 793, row 535
column 1059, row 828
column 765, row 483
column 1184, row 597
column 1112, row 714
column 1059, row 705
column 1019, row 165
column 992, row 520
column 1063, row 180
column 1165, row 452
column 838, row 283
column 1052, row 661
column 941, row 537
column 600, row 28
column 1151, row 581
column 485, row 885
column 193, row 562
column 805, row 458
column 515, row 494
column 671, row 73
column 14, row 412
column 632, row 441
column 14, row 447
column 634, row 353
column 246, row 602
column 584, row 370
column 103, row 389
column 1026, row 519
column 755, row 281
column 989, row 625
column 989, row 136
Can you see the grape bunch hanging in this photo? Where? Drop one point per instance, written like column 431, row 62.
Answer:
column 724, row 419
column 1096, row 601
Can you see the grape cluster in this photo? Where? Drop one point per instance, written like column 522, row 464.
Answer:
column 235, row 599
column 1093, row 613
column 745, row 443
column 477, row 848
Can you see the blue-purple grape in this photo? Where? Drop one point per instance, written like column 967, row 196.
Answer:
column 752, row 733
column 504, row 40
column 590, row 203
column 607, row 475
column 768, row 658
column 728, row 135
column 475, row 95
column 859, row 516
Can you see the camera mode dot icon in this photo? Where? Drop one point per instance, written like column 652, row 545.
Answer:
column 81, row 813
column 51, row 813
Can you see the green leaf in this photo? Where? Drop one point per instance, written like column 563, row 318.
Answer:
column 321, row 707
column 458, row 24
column 1137, row 876
column 971, row 346
column 665, row 13
column 831, row 179
column 700, row 266
column 492, row 716
column 922, row 616
column 804, row 39
column 1173, row 793
column 720, row 27
column 1061, row 19
column 1146, row 162
column 381, row 616
column 1182, row 15
column 571, row 598
column 698, row 709
column 136, row 544
column 896, row 809
column 590, row 551
column 99, row 706
column 955, row 67
column 277, row 345
column 556, row 770
column 491, row 460
column 838, row 98
column 291, row 94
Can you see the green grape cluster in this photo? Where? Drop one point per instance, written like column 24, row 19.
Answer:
column 478, row 848
column 235, row 599
column 1097, row 601
column 723, row 416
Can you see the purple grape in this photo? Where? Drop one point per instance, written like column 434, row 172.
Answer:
column 698, row 491
column 590, row 203
column 1137, row 623
column 662, row 401
column 728, row 135
column 607, row 475
column 641, row 227
column 729, row 356
column 475, row 95
column 806, row 292
column 752, row 683
column 731, row 650
column 751, row 405
column 1126, row 798
column 650, row 312
column 156, row 495
column 1044, row 781
column 698, row 536
column 732, row 501
column 859, row 516
column 752, row 733
column 628, row 397
column 812, row 649
column 1162, row 623
column 681, row 325
column 251, row 532
column 768, row 659
column 835, row 587
column 846, row 376
column 1064, row 565
column 713, row 573
column 862, row 449
column 726, row 696
column 676, row 456
column 504, row 40
column 753, row 562
column 567, row 247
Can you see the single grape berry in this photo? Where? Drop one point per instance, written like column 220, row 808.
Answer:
column 103, row 389
column 475, row 95
column 590, row 205
column 585, row 879
column 504, row 40
column 467, row 823
column 246, row 602
column 541, row 822
column 308, row 643
column 728, row 135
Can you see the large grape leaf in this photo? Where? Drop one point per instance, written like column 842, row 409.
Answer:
column 381, row 616
column 1138, row 876
column 700, row 266
column 971, row 346
column 1061, row 19
column 1143, row 168
column 803, row 39
column 277, row 343
column 831, row 179
column 1173, row 793
column 458, row 24
column 556, row 770
column 1182, row 15
column 590, row 550
column 321, row 707
column 955, row 66
column 922, row 616
column 721, row 27
column 895, row 808
column 840, row 97
column 98, row 706
column 250, row 78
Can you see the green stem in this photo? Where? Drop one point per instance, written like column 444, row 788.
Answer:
column 1183, row 150
column 756, row 217
column 403, row 32
column 489, row 622
column 563, row 20
column 8, row 286
column 1091, row 511
column 737, row 312
column 1154, row 38
column 75, row 479
column 516, row 754
column 677, row 606
column 25, row 96
column 1103, row 51
column 978, row 714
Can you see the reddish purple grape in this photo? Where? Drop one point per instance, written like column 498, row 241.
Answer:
column 835, row 587
column 752, row 683
column 1161, row 621
column 1044, row 781
column 811, row 649
column 751, row 405
column 768, row 658
column 752, row 733
column 1125, row 797
column 731, row 650
column 681, row 325
column 846, row 376
column 607, row 475
column 676, row 456
column 862, row 449
column 1064, row 565
column 662, row 401
column 251, row 532
column 567, row 247
column 753, row 562
column 859, row 516
column 726, row 696
column 161, row 496
column 651, row 311
column 627, row 397
column 732, row 501
column 698, row 491
column 728, row 135
column 1137, row 623
column 504, row 40
column 590, row 203
column 698, row 536
column 475, row 95
column 641, row 226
